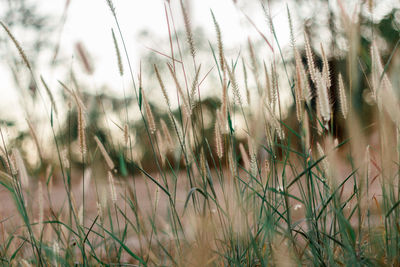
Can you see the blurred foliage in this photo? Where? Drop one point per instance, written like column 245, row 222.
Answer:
column 25, row 15
column 34, row 29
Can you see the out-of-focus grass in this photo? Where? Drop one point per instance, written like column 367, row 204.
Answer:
column 259, row 188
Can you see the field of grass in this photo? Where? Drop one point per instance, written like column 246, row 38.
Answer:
column 315, row 183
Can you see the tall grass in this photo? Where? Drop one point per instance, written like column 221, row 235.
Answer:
column 286, row 194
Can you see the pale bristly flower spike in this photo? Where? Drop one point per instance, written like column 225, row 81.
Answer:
column 162, row 86
column 342, row 97
column 310, row 58
column 103, row 151
column 118, row 53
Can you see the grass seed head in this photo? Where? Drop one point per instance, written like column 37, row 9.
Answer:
column 310, row 58
column 118, row 53
column 218, row 141
column 17, row 45
column 111, row 184
column 162, row 86
column 342, row 97
column 103, row 151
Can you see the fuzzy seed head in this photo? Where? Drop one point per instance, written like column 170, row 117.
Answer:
column 254, row 65
column 194, row 89
column 246, row 83
column 323, row 96
column 99, row 210
column 235, row 86
column 310, row 58
column 232, row 163
column 188, row 29
column 17, row 45
column 118, row 53
column 167, row 134
column 274, row 87
column 218, row 141
column 186, row 107
column 111, row 184
column 111, row 6
column 64, row 158
column 84, row 58
column 20, row 167
column 298, row 95
column 203, row 163
column 325, row 68
column 162, row 86
column 3, row 155
column 324, row 162
column 253, row 165
column 305, row 86
column 268, row 90
column 103, row 151
column 220, row 44
column 149, row 115
column 81, row 131
column 245, row 156
column 342, row 97
column 292, row 39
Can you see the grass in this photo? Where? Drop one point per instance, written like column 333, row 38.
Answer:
column 288, row 193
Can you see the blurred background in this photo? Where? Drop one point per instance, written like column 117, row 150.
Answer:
column 71, row 41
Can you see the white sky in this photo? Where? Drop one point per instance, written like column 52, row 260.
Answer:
column 90, row 22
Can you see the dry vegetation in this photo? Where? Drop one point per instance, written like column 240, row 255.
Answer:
column 291, row 192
